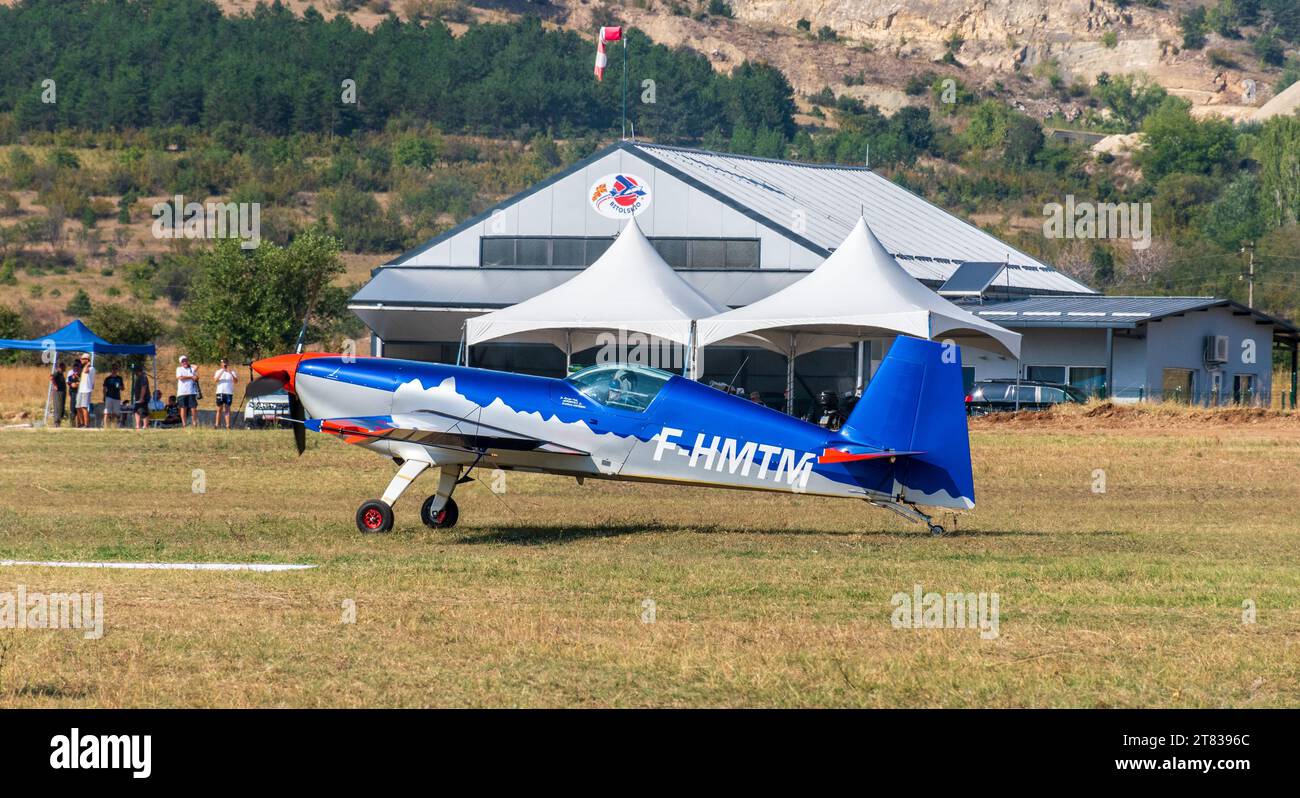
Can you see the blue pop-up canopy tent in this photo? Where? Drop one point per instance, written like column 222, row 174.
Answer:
column 76, row 337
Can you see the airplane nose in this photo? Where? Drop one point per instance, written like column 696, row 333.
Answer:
column 284, row 367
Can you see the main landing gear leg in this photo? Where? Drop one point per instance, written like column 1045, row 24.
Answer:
column 439, row 510
column 910, row 512
column 376, row 515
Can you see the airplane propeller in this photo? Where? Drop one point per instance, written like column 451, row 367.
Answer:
column 265, row 386
column 299, row 423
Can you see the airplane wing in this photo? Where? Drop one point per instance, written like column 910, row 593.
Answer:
column 435, row 429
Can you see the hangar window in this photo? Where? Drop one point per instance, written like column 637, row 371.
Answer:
column 1054, row 374
column 708, row 253
column 577, row 251
column 1089, row 379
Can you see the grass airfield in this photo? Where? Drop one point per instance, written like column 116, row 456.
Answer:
column 541, row 596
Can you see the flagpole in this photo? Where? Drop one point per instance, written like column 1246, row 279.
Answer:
column 624, row 37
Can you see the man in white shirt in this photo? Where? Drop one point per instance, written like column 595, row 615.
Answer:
column 225, row 378
column 187, row 391
column 84, row 391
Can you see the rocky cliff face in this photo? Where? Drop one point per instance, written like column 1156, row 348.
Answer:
column 886, row 41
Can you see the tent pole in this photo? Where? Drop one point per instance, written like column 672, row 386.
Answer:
column 789, row 378
column 49, row 390
column 688, row 361
column 1019, row 368
column 858, row 388
column 568, row 352
column 1108, row 392
column 460, row 346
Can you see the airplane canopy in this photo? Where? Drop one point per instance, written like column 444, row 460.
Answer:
column 630, row 287
column 860, row 291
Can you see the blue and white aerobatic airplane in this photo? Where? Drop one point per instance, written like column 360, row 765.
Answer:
column 904, row 446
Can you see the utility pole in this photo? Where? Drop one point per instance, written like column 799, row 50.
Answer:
column 1250, row 276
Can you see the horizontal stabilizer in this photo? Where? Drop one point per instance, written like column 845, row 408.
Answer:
column 852, row 453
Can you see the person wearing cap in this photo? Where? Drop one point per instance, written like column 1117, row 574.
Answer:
column 225, row 378
column 85, row 390
column 187, row 391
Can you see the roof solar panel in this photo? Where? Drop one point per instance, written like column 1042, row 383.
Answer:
column 971, row 278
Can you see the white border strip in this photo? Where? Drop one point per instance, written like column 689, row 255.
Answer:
column 167, row 566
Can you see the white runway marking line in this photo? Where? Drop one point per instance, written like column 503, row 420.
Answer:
column 167, row 566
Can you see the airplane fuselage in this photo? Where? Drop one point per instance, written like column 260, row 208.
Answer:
column 685, row 433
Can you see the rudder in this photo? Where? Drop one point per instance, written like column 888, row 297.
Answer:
column 916, row 402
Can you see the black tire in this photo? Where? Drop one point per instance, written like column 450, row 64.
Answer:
column 374, row 517
column 446, row 517
column 936, row 530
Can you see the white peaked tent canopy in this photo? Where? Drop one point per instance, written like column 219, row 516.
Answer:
column 860, row 291
column 630, row 287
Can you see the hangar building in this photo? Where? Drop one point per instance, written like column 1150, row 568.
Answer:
column 740, row 228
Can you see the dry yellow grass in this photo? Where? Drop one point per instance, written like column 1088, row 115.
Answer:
column 1131, row 597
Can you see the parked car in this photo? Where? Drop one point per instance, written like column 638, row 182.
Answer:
column 996, row 396
column 264, row 411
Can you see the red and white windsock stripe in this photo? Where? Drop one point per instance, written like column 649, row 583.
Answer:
column 607, row 34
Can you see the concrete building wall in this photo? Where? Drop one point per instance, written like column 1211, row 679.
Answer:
column 1130, row 376
column 1141, row 355
column 1179, row 342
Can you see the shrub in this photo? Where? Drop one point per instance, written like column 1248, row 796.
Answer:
column 1221, row 59
column 720, row 8
column 415, row 151
column 1268, row 48
column 79, row 305
column 1193, row 25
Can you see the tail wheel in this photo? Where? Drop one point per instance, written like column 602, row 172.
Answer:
column 374, row 516
column 937, row 531
column 442, row 519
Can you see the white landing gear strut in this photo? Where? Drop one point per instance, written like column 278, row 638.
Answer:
column 910, row 512
column 439, row 510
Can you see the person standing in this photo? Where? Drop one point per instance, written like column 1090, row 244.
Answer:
column 140, row 397
column 85, row 392
column 225, row 378
column 187, row 391
column 113, row 386
column 59, row 386
column 73, row 381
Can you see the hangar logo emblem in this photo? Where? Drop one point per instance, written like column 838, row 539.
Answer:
column 619, row 196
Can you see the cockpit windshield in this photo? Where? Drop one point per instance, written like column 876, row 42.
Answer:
column 623, row 386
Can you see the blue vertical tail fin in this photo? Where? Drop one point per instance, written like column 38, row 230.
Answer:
column 916, row 402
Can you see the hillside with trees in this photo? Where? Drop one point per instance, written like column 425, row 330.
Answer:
column 154, row 99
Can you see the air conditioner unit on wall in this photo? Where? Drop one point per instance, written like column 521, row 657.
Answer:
column 1216, row 349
